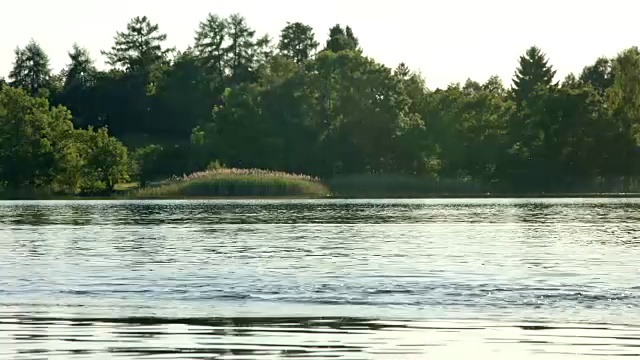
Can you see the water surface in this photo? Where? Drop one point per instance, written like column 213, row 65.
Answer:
column 378, row 279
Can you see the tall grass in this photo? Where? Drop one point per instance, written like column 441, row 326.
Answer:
column 235, row 182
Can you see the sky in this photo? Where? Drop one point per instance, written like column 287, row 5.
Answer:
column 448, row 41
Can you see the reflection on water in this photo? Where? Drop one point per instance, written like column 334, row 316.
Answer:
column 320, row 279
column 306, row 338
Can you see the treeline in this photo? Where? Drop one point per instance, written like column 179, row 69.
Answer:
column 244, row 100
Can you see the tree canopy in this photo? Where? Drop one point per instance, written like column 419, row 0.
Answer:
column 241, row 99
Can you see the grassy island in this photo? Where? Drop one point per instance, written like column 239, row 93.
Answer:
column 234, row 183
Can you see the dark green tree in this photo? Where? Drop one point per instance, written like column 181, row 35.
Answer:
column 297, row 42
column 28, row 139
column 599, row 75
column 81, row 71
column 210, row 49
column 341, row 39
column 127, row 91
column 139, row 48
column 533, row 71
column 31, row 70
column 184, row 99
column 78, row 81
column 105, row 161
column 264, row 50
column 402, row 71
column 240, row 53
column 571, row 82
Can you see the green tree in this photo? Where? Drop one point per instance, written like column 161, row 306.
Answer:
column 183, row 99
column 571, row 82
column 78, row 80
column 364, row 114
column 531, row 124
column 106, row 162
column 147, row 161
column 599, row 75
column 240, row 52
column 533, row 71
column 414, row 87
column 81, row 71
column 31, row 70
column 126, row 92
column 239, row 121
column 402, row 71
column 210, row 49
column 341, row 39
column 264, row 50
column 623, row 100
column 33, row 137
column 297, row 42
column 139, row 48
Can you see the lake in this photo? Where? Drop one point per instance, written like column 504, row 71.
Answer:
column 318, row 279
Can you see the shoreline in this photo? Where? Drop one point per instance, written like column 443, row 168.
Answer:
column 120, row 197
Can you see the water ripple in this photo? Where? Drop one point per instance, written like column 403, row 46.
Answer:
column 357, row 279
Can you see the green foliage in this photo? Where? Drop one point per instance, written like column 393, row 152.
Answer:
column 145, row 161
column 240, row 99
column 297, row 42
column 81, row 70
column 240, row 60
column 39, row 149
column 139, row 48
column 31, row 70
column 399, row 186
column 78, row 79
column 105, row 162
column 32, row 137
column 183, row 98
column 599, row 75
column 533, row 72
column 341, row 39
column 210, row 48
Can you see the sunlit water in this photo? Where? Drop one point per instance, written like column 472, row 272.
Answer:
column 436, row 279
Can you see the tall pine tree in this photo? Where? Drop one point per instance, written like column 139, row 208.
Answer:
column 533, row 71
column 139, row 48
column 31, row 70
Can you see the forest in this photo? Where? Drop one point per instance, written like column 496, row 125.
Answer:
column 238, row 99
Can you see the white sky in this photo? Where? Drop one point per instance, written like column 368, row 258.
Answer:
column 447, row 40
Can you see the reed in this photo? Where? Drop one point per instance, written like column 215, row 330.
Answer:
column 235, row 183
